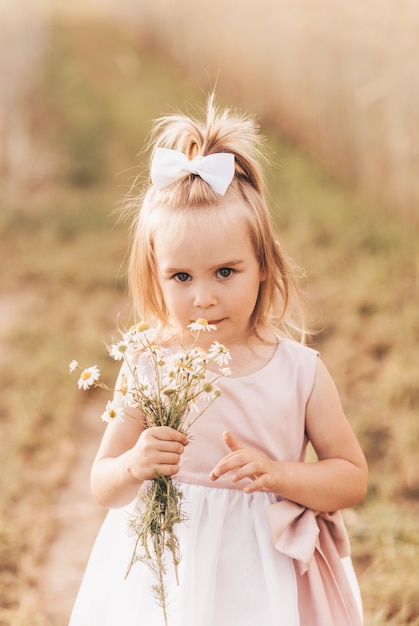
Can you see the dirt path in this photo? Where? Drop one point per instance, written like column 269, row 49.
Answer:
column 77, row 516
column 78, row 520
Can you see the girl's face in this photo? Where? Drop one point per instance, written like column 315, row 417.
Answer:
column 209, row 273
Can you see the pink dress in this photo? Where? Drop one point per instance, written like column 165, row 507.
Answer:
column 246, row 559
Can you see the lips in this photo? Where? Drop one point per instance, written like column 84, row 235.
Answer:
column 214, row 322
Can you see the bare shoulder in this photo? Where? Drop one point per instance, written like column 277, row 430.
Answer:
column 324, row 411
column 326, row 424
column 323, row 382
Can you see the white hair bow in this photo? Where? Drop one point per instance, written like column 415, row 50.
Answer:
column 168, row 166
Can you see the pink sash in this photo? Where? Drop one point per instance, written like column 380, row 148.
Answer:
column 316, row 542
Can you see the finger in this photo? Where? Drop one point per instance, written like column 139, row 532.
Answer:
column 231, row 441
column 168, row 458
column 261, row 483
column 229, row 463
column 165, row 433
column 166, row 469
column 249, row 470
column 151, row 448
column 169, row 447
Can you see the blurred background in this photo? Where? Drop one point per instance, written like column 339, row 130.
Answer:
column 336, row 88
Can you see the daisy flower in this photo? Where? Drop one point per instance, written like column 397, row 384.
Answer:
column 118, row 350
column 88, row 377
column 198, row 356
column 157, row 353
column 201, row 324
column 209, row 391
column 140, row 333
column 126, row 390
column 73, row 365
column 141, row 388
column 219, row 353
column 113, row 413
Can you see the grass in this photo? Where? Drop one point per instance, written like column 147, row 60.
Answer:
column 64, row 285
column 335, row 76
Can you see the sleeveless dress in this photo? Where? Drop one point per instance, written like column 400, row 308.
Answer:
column 246, row 558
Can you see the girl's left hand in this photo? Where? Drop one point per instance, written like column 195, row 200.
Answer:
column 265, row 474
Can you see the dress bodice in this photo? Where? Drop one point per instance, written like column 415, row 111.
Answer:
column 264, row 410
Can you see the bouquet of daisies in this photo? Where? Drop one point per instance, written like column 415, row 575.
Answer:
column 165, row 388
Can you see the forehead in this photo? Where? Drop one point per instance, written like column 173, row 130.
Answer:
column 202, row 235
column 175, row 224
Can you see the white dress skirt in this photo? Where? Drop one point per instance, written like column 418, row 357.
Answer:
column 229, row 573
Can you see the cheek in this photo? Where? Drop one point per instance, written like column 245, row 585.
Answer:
column 167, row 293
column 173, row 297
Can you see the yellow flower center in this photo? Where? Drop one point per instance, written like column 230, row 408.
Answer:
column 142, row 326
column 184, row 366
column 86, row 375
column 201, row 322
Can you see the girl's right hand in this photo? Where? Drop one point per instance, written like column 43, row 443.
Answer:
column 157, row 450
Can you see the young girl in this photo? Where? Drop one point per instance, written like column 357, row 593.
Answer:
column 263, row 542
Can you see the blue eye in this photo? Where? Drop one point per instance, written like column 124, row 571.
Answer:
column 225, row 272
column 182, row 277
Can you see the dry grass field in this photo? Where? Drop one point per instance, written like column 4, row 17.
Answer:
column 23, row 36
column 62, row 287
column 338, row 77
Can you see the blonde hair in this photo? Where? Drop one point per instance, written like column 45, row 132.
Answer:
column 220, row 131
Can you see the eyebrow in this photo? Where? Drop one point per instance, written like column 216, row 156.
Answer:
column 183, row 268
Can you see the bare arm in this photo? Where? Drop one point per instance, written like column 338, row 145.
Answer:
column 337, row 480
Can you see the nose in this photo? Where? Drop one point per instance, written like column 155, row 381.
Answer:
column 204, row 296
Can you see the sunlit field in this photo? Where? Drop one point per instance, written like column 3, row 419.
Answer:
column 338, row 77
column 62, row 295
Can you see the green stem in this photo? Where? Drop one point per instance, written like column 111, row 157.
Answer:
column 158, row 551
